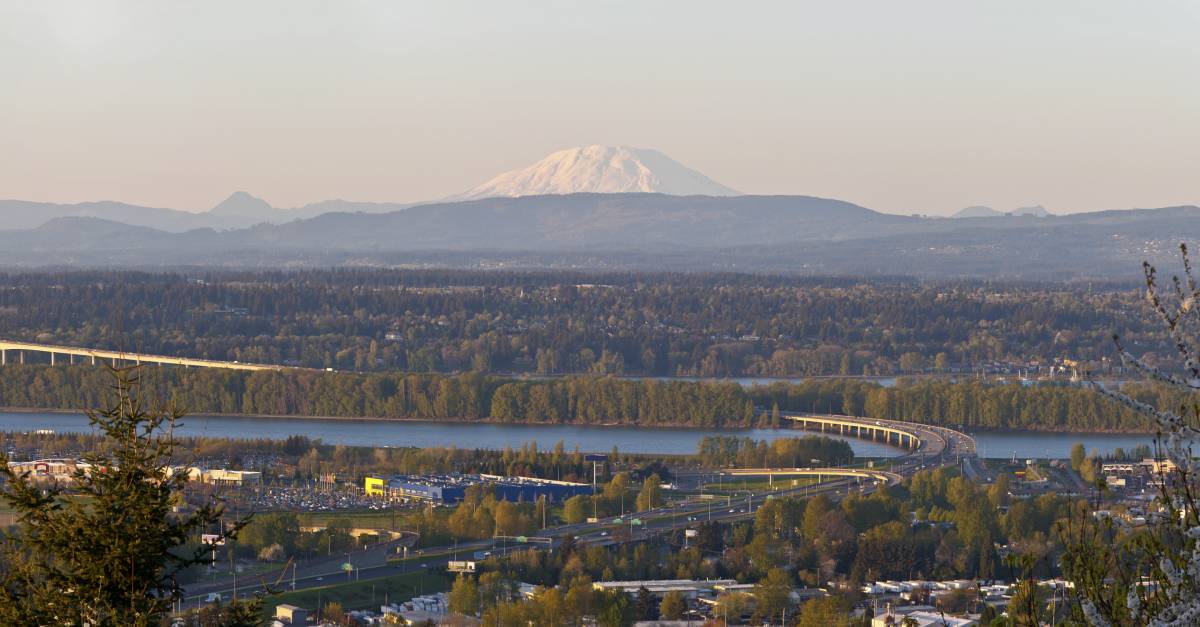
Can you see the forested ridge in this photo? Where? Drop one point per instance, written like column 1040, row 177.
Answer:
column 588, row 399
column 580, row 323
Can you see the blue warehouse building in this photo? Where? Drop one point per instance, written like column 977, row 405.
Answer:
column 450, row 489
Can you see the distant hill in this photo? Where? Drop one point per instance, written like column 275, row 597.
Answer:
column 239, row 210
column 246, row 207
column 23, row 214
column 979, row 211
column 642, row 232
column 588, row 221
column 600, row 169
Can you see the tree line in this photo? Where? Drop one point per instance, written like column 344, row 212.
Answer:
column 593, row 400
column 576, row 323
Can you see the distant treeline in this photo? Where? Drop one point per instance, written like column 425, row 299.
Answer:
column 586, row 400
column 971, row 404
column 707, row 325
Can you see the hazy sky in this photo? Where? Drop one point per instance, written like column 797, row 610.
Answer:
column 899, row 106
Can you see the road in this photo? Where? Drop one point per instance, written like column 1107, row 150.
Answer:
column 939, row 447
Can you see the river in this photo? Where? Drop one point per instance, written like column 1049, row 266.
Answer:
column 419, row 433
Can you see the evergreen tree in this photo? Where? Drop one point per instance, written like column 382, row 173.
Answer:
column 673, row 606
column 647, row 608
column 107, row 549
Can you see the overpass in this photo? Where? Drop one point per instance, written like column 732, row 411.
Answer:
column 889, row 478
column 116, row 357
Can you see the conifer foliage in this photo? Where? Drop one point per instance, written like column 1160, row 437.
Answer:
column 106, row 549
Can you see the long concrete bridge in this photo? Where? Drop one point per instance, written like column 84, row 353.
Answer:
column 116, row 357
column 911, row 436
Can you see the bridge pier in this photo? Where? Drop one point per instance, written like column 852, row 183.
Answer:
column 51, row 358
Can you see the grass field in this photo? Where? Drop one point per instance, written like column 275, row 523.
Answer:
column 373, row 519
column 365, row 594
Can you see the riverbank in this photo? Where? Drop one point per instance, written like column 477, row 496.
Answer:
column 493, row 421
column 675, row 440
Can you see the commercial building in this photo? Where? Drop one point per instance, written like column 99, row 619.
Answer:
column 220, row 476
column 58, row 469
column 450, row 489
column 921, row 618
column 232, row 477
column 689, row 588
column 288, row 615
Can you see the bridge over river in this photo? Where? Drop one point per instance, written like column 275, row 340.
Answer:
column 116, row 357
column 923, row 443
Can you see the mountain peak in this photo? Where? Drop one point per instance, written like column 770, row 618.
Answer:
column 243, row 204
column 601, row 169
column 979, row 211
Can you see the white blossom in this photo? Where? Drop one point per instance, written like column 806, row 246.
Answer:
column 1176, row 597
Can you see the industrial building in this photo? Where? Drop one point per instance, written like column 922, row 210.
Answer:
column 689, row 588
column 450, row 489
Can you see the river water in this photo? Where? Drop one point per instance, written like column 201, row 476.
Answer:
column 399, row 433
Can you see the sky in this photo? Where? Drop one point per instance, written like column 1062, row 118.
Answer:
column 906, row 107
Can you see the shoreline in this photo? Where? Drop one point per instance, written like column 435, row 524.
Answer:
column 485, row 421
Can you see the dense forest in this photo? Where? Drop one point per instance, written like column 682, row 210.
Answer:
column 588, row 399
column 576, row 323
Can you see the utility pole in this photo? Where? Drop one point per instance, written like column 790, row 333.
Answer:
column 233, row 567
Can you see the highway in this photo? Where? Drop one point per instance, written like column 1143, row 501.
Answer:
column 938, row 447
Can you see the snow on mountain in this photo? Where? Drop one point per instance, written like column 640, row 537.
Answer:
column 601, row 169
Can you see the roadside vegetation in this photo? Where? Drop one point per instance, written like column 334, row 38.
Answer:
column 597, row 400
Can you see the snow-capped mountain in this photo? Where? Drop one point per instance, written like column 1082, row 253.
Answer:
column 601, row 169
